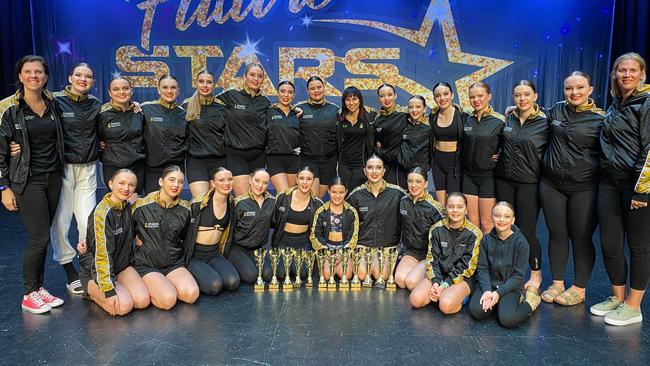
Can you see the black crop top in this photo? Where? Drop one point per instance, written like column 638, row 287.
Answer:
column 209, row 221
column 299, row 218
column 449, row 133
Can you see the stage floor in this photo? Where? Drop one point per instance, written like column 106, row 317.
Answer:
column 305, row 326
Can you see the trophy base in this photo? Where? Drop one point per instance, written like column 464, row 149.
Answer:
column 331, row 286
column 344, row 286
column 322, row 286
column 259, row 287
column 379, row 284
column 287, row 287
column 297, row 284
column 274, row 287
column 391, row 286
column 355, row 286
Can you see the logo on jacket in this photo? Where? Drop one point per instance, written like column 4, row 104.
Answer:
column 114, row 124
column 118, row 231
column 307, row 116
column 151, row 225
column 249, row 213
column 240, row 106
column 444, row 244
column 67, row 114
column 363, row 209
column 507, row 129
column 468, row 128
column 157, row 119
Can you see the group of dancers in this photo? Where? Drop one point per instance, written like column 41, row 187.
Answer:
column 143, row 244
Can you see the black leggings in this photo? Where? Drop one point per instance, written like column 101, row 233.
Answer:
column 617, row 220
column 352, row 177
column 37, row 205
column 570, row 215
column 524, row 197
column 394, row 175
column 244, row 262
column 443, row 170
column 212, row 271
column 510, row 311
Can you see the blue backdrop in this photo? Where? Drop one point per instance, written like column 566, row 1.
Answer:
column 411, row 44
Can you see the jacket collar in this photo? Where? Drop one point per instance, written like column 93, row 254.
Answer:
column 381, row 188
column 445, row 222
column 536, row 112
column 205, row 199
column 488, row 111
column 424, row 119
column 423, row 198
column 389, row 111
column 206, row 101
column 75, row 97
column 167, row 105
column 161, row 203
column 589, row 106
column 312, row 102
column 114, row 205
column 250, row 92
column 129, row 107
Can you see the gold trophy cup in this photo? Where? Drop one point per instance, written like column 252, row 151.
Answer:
column 344, row 285
column 391, row 253
column 331, row 256
column 299, row 256
column 367, row 254
column 287, row 256
column 320, row 258
column 274, row 255
column 308, row 258
column 259, row 259
column 357, row 254
column 380, row 283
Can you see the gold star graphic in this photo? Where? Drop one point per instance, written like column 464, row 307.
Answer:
column 440, row 10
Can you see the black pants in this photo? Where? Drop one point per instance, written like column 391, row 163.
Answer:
column 570, row 215
column 151, row 175
column 351, row 176
column 137, row 168
column 37, row 206
column 443, row 168
column 617, row 221
column 212, row 271
column 244, row 262
column 510, row 311
column 524, row 197
column 393, row 174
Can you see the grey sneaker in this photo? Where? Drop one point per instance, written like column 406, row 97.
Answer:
column 602, row 308
column 623, row 315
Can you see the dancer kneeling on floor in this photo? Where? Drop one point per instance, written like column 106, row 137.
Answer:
column 162, row 220
column 453, row 245
column 418, row 211
column 253, row 213
column 210, row 236
column 335, row 226
column 502, row 267
column 106, row 274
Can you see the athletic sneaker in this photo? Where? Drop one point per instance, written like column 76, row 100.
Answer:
column 624, row 315
column 35, row 304
column 603, row 308
column 75, row 288
column 51, row 300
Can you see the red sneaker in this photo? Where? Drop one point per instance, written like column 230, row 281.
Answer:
column 35, row 304
column 51, row 300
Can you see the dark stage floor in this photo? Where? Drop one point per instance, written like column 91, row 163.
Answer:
column 301, row 327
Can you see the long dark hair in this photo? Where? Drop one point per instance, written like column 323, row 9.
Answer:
column 353, row 91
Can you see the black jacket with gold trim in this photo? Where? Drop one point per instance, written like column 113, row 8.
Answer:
column 109, row 240
column 454, row 252
column 379, row 216
column 417, row 218
column 245, row 119
column 281, row 213
column 321, row 227
column 165, row 133
column 14, row 171
column 625, row 140
column 252, row 224
column 122, row 131
column 162, row 230
column 415, row 149
column 205, row 134
column 389, row 127
column 79, row 119
column 198, row 206
column 481, row 140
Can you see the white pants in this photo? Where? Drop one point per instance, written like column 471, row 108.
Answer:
column 78, row 198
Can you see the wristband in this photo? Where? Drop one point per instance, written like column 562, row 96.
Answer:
column 2, row 188
column 444, row 284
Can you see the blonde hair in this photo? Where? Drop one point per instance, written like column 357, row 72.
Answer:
column 613, row 85
column 194, row 105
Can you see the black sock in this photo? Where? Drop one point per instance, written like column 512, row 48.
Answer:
column 70, row 272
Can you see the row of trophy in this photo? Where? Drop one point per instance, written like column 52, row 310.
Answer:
column 300, row 257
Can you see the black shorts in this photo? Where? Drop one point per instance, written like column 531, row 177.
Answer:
column 201, row 169
column 443, row 170
column 244, row 162
column 481, row 186
column 325, row 171
column 137, row 168
column 419, row 254
column 288, row 164
column 144, row 269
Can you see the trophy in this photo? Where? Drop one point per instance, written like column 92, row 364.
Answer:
column 298, row 259
column 391, row 253
column 331, row 256
column 287, row 256
column 320, row 258
column 357, row 253
column 380, row 283
column 344, row 285
column 274, row 255
column 308, row 258
column 259, row 259
column 367, row 253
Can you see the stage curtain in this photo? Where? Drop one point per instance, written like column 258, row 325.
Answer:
column 15, row 40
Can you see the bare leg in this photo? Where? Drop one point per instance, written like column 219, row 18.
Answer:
column 186, row 287
column 451, row 300
column 416, row 275
column 485, row 212
column 441, row 196
column 403, row 268
column 420, row 295
column 163, row 294
column 241, row 184
column 315, row 188
column 291, row 180
column 124, row 305
column 130, row 279
column 198, row 188
column 472, row 209
column 280, row 182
